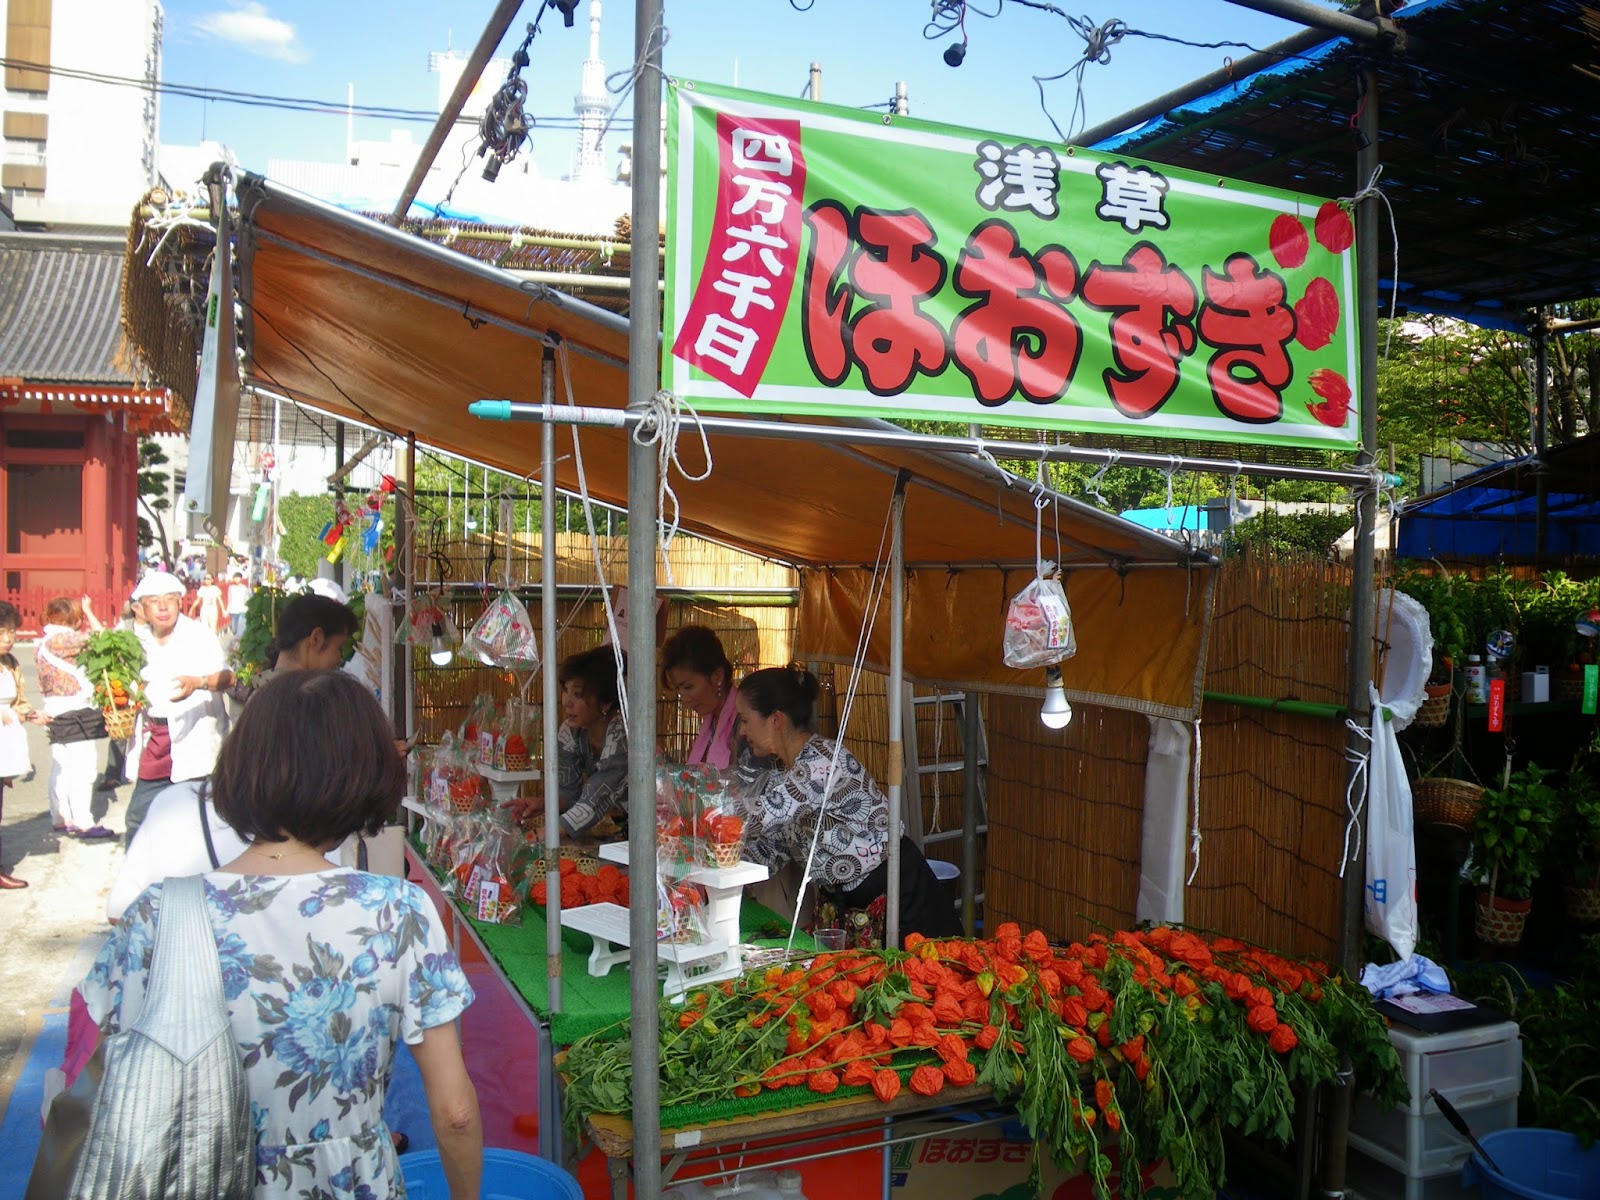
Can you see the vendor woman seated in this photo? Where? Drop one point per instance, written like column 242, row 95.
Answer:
column 695, row 669
column 591, row 745
column 777, row 715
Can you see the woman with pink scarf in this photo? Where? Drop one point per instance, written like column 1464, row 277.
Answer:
column 695, row 668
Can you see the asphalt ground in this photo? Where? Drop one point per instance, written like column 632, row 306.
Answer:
column 53, row 927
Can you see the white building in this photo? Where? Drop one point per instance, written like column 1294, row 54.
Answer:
column 586, row 198
column 79, row 151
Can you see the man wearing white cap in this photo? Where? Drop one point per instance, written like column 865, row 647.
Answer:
column 177, row 737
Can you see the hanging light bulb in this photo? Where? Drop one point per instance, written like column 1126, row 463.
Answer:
column 1056, row 713
column 440, row 652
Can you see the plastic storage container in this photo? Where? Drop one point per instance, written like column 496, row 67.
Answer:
column 507, row 1175
column 1428, row 1145
column 1368, row 1179
column 1537, row 1164
column 1478, row 1070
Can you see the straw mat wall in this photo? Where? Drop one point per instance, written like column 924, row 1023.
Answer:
column 1272, row 793
column 1065, row 816
column 1066, row 807
column 464, row 559
column 754, row 637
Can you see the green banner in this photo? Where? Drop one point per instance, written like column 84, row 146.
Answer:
column 829, row 261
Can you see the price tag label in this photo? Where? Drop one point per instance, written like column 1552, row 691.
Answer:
column 1591, row 687
column 488, row 900
column 1497, row 705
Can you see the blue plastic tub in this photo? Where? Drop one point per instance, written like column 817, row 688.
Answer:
column 1538, row 1164
column 507, row 1175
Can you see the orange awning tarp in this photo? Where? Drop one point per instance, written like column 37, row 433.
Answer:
column 368, row 323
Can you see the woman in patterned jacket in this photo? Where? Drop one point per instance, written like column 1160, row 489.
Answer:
column 823, row 797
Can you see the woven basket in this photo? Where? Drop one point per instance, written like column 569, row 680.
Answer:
column 1583, row 903
column 723, row 854
column 1435, row 710
column 1500, row 926
column 588, row 864
column 1449, row 802
column 119, row 722
column 1568, row 685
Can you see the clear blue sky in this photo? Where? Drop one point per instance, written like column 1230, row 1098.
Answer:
column 312, row 49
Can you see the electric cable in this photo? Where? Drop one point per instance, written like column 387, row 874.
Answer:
column 263, row 100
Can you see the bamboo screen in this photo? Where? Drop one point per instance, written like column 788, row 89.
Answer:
column 1272, row 793
column 1065, row 817
column 1066, row 808
column 756, row 633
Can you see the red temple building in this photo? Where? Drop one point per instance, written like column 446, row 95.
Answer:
column 71, row 416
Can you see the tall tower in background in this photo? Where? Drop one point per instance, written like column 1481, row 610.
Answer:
column 590, row 105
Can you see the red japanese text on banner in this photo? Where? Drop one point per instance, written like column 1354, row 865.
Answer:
column 743, row 293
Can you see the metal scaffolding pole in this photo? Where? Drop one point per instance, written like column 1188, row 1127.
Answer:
column 547, row 636
column 885, row 434
column 643, row 372
column 1318, row 16
column 1336, row 1127
column 499, row 21
column 897, row 680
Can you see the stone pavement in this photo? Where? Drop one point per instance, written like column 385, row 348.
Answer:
column 52, row 928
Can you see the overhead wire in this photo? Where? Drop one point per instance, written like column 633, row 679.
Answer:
column 218, row 95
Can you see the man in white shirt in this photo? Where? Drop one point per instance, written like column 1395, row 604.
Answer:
column 175, row 842
column 177, row 737
column 238, row 597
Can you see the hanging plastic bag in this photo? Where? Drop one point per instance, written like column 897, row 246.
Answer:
column 503, row 636
column 680, row 904
column 1391, row 894
column 490, row 892
column 1038, row 629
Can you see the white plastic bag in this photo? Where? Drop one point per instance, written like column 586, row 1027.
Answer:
column 1391, row 894
column 503, row 636
column 1039, row 626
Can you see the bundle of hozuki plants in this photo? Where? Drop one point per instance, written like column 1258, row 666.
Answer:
column 1147, row 1044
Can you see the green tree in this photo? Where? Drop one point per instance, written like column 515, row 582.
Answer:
column 301, row 518
column 1310, row 532
column 153, row 486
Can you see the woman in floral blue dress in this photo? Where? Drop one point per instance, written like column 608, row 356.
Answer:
column 324, row 968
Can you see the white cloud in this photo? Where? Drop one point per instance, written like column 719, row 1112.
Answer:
column 250, row 27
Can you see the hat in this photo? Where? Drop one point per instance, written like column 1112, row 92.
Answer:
column 328, row 588
column 158, row 583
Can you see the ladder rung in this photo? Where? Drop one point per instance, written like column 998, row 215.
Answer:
column 944, row 768
column 950, row 835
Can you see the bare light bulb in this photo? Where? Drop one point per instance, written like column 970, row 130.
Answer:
column 440, row 652
column 1056, row 713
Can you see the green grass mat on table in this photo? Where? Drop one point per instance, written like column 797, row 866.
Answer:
column 589, row 1004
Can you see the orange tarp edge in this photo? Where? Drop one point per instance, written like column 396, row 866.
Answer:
column 1139, row 638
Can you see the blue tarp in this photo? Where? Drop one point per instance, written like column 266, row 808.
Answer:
column 1493, row 513
column 1168, row 520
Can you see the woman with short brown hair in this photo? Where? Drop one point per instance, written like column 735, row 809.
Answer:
column 324, row 968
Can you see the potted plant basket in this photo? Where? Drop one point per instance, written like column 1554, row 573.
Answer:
column 1509, row 836
column 113, row 659
column 1576, row 844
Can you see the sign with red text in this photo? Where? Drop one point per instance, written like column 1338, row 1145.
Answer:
column 826, row 261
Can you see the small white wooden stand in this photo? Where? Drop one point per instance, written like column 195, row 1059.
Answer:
column 503, row 784
column 724, row 889
column 687, row 966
